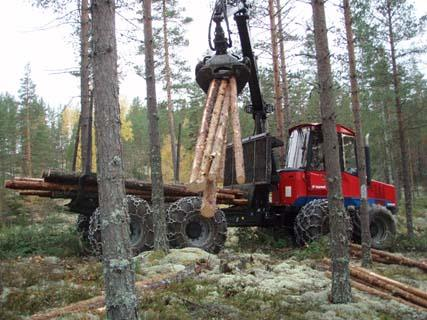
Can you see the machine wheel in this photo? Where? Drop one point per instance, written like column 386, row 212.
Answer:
column 140, row 224
column 382, row 226
column 312, row 222
column 82, row 226
column 188, row 228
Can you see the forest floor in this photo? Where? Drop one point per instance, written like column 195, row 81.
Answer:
column 257, row 276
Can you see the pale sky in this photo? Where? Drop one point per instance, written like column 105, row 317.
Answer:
column 31, row 35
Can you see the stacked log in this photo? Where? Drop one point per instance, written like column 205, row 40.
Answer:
column 57, row 184
column 384, row 287
column 389, row 258
column 208, row 164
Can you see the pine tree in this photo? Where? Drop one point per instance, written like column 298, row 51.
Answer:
column 360, row 145
column 119, row 277
column 341, row 289
column 27, row 95
column 157, row 194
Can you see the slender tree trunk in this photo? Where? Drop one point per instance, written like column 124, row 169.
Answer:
column 404, row 153
column 76, row 145
column 28, row 162
column 284, row 74
column 341, row 289
column 360, row 145
column 84, row 89
column 119, row 277
column 168, row 79
column 159, row 215
column 277, row 87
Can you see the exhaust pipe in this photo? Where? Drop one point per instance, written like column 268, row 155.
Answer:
column 368, row 160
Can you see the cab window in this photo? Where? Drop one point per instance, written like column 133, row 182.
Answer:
column 349, row 154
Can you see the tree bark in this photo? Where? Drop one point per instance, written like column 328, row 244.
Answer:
column 168, row 80
column 159, row 213
column 404, row 152
column 341, row 289
column 284, row 74
column 203, row 132
column 86, row 145
column 119, row 277
column 277, row 87
column 76, row 145
column 360, row 145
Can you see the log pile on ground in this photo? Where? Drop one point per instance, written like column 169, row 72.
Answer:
column 57, row 184
column 375, row 284
column 208, row 165
column 389, row 258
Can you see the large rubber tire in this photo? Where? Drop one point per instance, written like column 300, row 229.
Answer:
column 383, row 227
column 188, row 228
column 312, row 222
column 82, row 226
column 140, row 224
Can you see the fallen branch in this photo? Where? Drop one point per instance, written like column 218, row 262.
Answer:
column 387, row 257
column 98, row 302
column 395, row 288
column 375, row 292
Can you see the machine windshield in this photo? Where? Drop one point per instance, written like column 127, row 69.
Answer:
column 297, row 149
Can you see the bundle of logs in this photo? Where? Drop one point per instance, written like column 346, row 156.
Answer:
column 57, row 184
column 386, row 288
column 208, row 165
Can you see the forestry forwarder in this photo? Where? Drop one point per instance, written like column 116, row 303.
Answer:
column 293, row 197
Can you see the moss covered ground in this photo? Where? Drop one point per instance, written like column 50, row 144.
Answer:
column 260, row 275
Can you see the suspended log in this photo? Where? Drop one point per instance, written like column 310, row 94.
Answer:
column 237, row 137
column 222, row 161
column 209, row 207
column 392, row 258
column 218, row 147
column 200, row 183
column 203, row 132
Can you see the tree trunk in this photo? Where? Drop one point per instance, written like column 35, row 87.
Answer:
column 404, row 153
column 284, row 74
column 341, row 290
column 119, row 275
column 76, row 145
column 277, row 87
column 171, row 119
column 360, row 145
column 159, row 214
column 28, row 162
column 84, row 90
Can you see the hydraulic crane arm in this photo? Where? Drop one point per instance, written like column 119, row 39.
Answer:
column 223, row 65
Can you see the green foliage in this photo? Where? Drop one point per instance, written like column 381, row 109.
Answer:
column 254, row 239
column 41, row 239
column 418, row 243
column 315, row 250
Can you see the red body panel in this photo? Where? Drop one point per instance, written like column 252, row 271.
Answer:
column 298, row 187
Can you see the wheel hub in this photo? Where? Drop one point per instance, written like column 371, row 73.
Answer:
column 193, row 230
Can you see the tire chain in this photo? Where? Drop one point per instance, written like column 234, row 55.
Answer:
column 94, row 233
column 310, row 219
column 190, row 205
